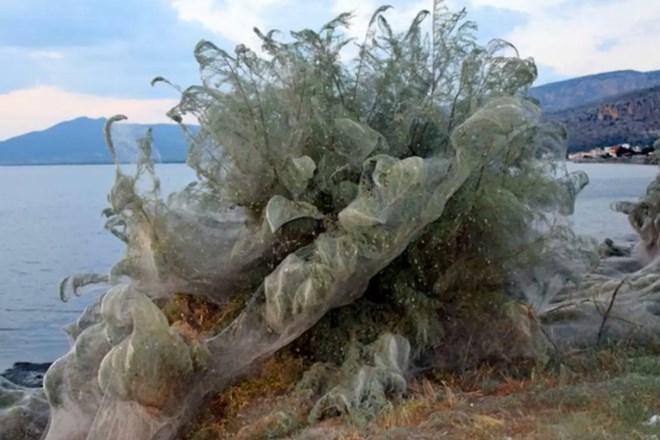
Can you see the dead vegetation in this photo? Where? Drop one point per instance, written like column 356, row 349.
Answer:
column 612, row 393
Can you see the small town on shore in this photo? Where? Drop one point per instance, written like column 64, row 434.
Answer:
column 621, row 153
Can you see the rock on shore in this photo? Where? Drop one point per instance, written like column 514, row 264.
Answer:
column 27, row 374
column 23, row 412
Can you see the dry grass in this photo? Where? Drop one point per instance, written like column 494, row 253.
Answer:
column 262, row 407
column 595, row 395
column 198, row 316
column 540, row 406
column 608, row 394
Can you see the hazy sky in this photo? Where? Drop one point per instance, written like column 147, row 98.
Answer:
column 68, row 58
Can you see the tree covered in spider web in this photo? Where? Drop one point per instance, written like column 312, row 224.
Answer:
column 310, row 125
column 413, row 179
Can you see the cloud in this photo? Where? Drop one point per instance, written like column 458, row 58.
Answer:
column 112, row 49
column 235, row 19
column 232, row 19
column 583, row 37
column 45, row 55
column 525, row 6
column 399, row 17
column 38, row 108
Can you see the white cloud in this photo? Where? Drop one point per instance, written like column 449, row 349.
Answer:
column 45, row 55
column 584, row 37
column 525, row 6
column 232, row 19
column 38, row 108
column 399, row 17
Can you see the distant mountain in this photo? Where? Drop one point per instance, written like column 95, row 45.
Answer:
column 585, row 90
column 80, row 141
column 630, row 118
column 599, row 110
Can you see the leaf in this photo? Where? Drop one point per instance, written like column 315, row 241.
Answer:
column 392, row 352
column 344, row 193
column 573, row 183
column 386, row 200
column 296, row 173
column 280, row 211
column 353, row 143
column 356, row 140
column 75, row 282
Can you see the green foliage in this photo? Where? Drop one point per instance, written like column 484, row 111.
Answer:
column 310, row 126
column 403, row 95
column 75, row 282
column 418, row 176
column 427, row 175
column 373, row 375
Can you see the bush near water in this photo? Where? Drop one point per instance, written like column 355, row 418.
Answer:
column 354, row 224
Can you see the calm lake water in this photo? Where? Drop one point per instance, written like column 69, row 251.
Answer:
column 50, row 227
column 609, row 183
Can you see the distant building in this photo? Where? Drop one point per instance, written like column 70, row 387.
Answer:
column 612, row 150
column 636, row 153
column 580, row 155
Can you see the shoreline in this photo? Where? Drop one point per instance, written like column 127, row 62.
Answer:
column 620, row 161
column 26, row 374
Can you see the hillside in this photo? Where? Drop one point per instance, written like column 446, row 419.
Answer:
column 631, row 118
column 599, row 110
column 578, row 92
column 81, row 141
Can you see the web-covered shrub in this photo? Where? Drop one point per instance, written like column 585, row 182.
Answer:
column 285, row 135
column 413, row 175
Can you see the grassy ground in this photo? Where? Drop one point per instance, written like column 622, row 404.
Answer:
column 606, row 394
column 609, row 394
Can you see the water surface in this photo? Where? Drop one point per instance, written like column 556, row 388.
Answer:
column 609, row 183
column 50, row 227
